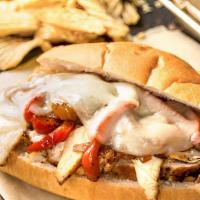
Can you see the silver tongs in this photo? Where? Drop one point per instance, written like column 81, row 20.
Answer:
column 187, row 12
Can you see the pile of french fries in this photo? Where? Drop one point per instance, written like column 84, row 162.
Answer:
column 73, row 21
column 126, row 10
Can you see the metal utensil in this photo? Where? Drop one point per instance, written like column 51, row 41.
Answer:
column 191, row 25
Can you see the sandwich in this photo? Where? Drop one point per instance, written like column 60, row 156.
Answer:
column 105, row 121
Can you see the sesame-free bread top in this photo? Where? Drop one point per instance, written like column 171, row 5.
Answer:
column 155, row 70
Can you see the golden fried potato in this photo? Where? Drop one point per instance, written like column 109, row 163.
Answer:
column 13, row 50
column 57, row 34
column 21, row 23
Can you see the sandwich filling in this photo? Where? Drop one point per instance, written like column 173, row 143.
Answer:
column 80, row 117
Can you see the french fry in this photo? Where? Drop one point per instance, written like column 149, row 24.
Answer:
column 17, row 23
column 56, row 34
column 13, row 50
column 112, row 4
column 117, row 11
column 35, row 4
column 130, row 15
column 73, row 19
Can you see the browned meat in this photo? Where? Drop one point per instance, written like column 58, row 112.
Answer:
column 124, row 169
column 190, row 156
column 80, row 147
column 121, row 165
column 112, row 163
column 176, row 170
column 55, row 153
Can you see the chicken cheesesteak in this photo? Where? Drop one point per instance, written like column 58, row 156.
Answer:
column 105, row 121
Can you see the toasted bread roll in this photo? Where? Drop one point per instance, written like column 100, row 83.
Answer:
column 155, row 70
column 77, row 187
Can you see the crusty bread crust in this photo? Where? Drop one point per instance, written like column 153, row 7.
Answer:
column 82, row 189
column 150, row 68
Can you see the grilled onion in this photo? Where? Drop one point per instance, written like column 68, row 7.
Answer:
column 189, row 156
column 64, row 112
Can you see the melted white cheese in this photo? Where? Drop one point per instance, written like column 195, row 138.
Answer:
column 150, row 128
column 34, row 136
column 85, row 93
column 148, row 136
